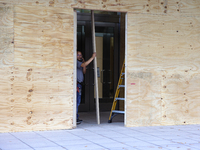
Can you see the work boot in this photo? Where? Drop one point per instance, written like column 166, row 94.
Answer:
column 78, row 121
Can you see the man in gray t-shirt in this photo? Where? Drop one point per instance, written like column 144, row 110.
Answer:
column 81, row 69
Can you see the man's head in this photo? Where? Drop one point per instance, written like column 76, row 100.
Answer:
column 79, row 55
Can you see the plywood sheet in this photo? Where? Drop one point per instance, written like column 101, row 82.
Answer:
column 53, row 112
column 43, row 37
column 180, row 97
column 143, row 98
column 190, row 7
column 40, row 99
column 167, row 42
column 37, row 90
column 54, row 81
column 163, row 56
column 6, row 36
column 137, row 6
column 46, row 3
column 6, row 65
column 171, row 7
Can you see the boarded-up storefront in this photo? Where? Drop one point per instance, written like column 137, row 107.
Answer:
column 36, row 62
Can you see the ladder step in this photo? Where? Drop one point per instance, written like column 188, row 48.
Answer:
column 114, row 112
column 120, row 99
column 118, row 112
column 121, row 86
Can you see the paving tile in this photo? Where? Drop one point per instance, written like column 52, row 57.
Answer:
column 138, row 143
column 163, row 133
column 93, row 137
column 148, row 138
column 102, row 140
column 185, row 141
column 50, row 148
column 193, row 137
column 150, row 148
column 73, row 142
column 197, row 132
column 6, row 136
column 37, row 143
column 13, row 145
column 113, row 144
column 197, row 145
column 18, row 149
column 146, row 130
column 9, row 141
column 112, row 134
column 128, row 139
column 26, row 135
column 163, row 142
column 85, row 147
column 57, row 133
column 59, row 136
column 84, row 133
column 179, row 147
column 130, row 132
column 170, row 137
column 122, row 148
column 97, row 130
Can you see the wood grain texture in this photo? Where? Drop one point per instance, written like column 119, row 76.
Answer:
column 41, row 113
column 143, row 98
column 37, row 92
column 6, row 37
column 136, row 6
column 163, row 42
column 47, row 3
column 171, row 7
column 162, row 66
column 43, row 37
column 180, row 97
column 36, row 62
column 6, row 65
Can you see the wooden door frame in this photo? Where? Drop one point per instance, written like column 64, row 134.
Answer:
column 75, row 67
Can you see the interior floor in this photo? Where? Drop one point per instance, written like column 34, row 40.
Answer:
column 89, row 118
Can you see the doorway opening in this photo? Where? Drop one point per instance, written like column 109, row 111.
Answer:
column 110, row 50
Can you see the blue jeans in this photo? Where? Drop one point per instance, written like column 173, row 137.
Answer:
column 79, row 86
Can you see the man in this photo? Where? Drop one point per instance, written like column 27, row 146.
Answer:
column 81, row 69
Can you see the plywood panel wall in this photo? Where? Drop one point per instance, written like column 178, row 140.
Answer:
column 36, row 62
column 172, row 7
column 6, row 64
column 37, row 90
column 163, row 64
column 6, row 36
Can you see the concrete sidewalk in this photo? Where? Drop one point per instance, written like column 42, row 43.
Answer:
column 114, row 136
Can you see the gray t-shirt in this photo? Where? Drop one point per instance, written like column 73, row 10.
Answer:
column 79, row 72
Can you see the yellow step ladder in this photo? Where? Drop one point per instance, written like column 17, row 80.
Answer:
column 114, row 112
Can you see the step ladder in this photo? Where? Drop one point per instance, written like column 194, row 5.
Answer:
column 115, row 112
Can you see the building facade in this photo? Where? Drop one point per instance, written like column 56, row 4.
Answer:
column 37, row 62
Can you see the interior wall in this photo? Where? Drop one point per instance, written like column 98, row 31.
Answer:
column 37, row 62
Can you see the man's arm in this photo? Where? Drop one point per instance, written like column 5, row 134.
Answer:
column 89, row 60
column 84, row 68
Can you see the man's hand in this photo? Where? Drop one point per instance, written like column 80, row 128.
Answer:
column 94, row 55
column 88, row 61
column 83, row 60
